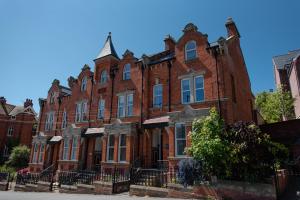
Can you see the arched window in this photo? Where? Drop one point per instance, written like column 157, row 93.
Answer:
column 83, row 83
column 190, row 50
column 103, row 77
column 126, row 72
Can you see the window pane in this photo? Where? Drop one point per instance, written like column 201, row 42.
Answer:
column 157, row 98
column 129, row 104
column 111, row 154
column 199, row 82
column 123, row 154
column 122, row 140
column 103, row 77
column 190, row 54
column 121, row 106
column 186, row 97
column 126, row 72
column 111, row 140
column 191, row 45
column 180, row 147
column 199, row 95
column 185, row 84
column 180, row 131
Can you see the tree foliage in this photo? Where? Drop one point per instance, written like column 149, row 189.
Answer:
column 239, row 151
column 275, row 105
column 19, row 157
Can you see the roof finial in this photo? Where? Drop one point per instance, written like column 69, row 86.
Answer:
column 109, row 34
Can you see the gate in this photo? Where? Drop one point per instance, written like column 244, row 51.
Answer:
column 292, row 190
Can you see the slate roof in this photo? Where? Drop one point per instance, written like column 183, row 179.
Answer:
column 281, row 60
column 13, row 110
column 108, row 49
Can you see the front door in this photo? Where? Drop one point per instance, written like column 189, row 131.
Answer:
column 156, row 153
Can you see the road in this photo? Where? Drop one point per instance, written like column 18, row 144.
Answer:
column 11, row 195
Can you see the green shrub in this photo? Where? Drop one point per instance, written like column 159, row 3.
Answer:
column 19, row 157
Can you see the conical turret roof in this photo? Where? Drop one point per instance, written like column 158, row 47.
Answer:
column 108, row 49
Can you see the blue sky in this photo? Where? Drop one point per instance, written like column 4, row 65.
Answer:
column 43, row 40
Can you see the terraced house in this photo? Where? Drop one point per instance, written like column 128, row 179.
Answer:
column 139, row 111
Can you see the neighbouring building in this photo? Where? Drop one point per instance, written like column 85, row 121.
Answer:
column 139, row 111
column 17, row 126
column 287, row 75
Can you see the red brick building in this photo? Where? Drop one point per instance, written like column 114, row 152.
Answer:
column 131, row 111
column 17, row 125
column 287, row 75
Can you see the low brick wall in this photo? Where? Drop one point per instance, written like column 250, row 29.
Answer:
column 85, row 189
column 43, row 186
column 26, row 188
column 3, row 186
column 141, row 191
column 223, row 189
column 68, row 189
column 103, row 187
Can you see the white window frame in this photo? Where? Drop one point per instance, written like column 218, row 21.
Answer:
column 127, row 71
column 121, row 114
column 129, row 105
column 182, row 91
column 103, row 77
column 177, row 139
column 41, row 154
column 190, row 50
column 157, row 96
column 74, row 148
column 110, row 147
column 83, row 84
column 10, row 131
column 122, row 147
column 49, row 121
column 35, row 150
column 101, row 109
column 81, row 112
column 195, row 89
column 65, row 155
column 64, row 120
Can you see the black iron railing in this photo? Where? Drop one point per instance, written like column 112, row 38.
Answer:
column 67, row 178
column 150, row 177
column 113, row 175
column 4, row 176
column 163, row 165
column 29, row 178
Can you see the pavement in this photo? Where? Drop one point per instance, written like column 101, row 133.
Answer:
column 11, row 195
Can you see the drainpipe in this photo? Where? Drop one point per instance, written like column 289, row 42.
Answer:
column 59, row 102
column 91, row 98
column 112, row 76
column 169, row 84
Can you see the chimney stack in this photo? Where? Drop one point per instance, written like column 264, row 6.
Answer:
column 231, row 28
column 170, row 43
column 27, row 103
column 2, row 100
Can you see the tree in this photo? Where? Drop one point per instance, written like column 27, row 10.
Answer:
column 207, row 145
column 237, row 152
column 253, row 152
column 19, row 157
column 275, row 105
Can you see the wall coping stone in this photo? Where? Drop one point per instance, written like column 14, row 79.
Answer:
column 86, row 186
column 69, row 187
column 148, row 188
column 103, row 183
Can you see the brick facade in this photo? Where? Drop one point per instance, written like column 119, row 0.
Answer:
column 17, row 125
column 149, row 122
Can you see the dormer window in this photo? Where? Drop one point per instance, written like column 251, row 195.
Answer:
column 103, row 77
column 83, row 83
column 126, row 72
column 190, row 50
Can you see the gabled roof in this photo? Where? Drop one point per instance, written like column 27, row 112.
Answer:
column 108, row 49
column 281, row 60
